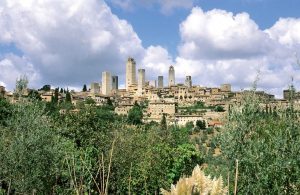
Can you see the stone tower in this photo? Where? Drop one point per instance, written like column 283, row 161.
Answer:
column 171, row 76
column 141, row 80
column 115, row 82
column 130, row 72
column 160, row 82
column 106, row 83
column 188, row 81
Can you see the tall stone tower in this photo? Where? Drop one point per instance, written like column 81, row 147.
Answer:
column 188, row 81
column 171, row 76
column 141, row 80
column 115, row 82
column 106, row 83
column 130, row 72
column 160, row 82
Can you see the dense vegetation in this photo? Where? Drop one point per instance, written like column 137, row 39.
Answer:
column 93, row 151
column 266, row 144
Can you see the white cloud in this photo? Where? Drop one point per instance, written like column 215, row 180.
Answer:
column 157, row 60
column 67, row 41
column 12, row 67
column 220, row 47
column 220, row 34
column 286, row 31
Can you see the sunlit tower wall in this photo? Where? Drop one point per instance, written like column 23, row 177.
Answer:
column 130, row 72
column 160, row 82
column 188, row 81
column 95, row 88
column 115, row 82
column 106, row 83
column 171, row 76
column 226, row 87
column 141, row 80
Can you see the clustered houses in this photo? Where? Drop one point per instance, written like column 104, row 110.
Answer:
column 176, row 101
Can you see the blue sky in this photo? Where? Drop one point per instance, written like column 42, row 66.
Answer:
column 68, row 43
column 162, row 29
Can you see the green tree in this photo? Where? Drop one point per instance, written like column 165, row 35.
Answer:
column 163, row 123
column 219, row 108
column 267, row 147
column 29, row 152
column 46, row 88
column 201, row 124
column 21, row 85
column 34, row 95
column 68, row 97
column 84, row 89
column 135, row 115
column 5, row 111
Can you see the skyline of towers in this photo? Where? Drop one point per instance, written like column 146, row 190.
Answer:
column 106, row 83
column 115, row 82
column 160, row 82
column 171, row 76
column 188, row 81
column 130, row 72
column 141, row 80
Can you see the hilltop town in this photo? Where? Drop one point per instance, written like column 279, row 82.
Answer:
column 179, row 102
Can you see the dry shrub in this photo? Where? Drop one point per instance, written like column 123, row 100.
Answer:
column 198, row 183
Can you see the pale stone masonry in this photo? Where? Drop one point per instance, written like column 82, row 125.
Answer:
column 106, row 83
column 130, row 72
column 95, row 88
column 141, row 81
column 160, row 80
column 171, row 76
column 115, row 82
column 188, row 81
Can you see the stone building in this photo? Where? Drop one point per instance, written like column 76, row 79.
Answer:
column 95, row 88
column 171, row 76
column 141, row 81
column 115, row 82
column 160, row 84
column 130, row 72
column 106, row 83
column 188, row 81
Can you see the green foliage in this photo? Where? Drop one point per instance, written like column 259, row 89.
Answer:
column 267, row 147
column 44, row 152
column 84, row 89
column 28, row 151
column 189, row 125
column 34, row 95
column 135, row 115
column 68, row 97
column 90, row 101
column 46, row 88
column 5, row 111
column 201, row 124
column 219, row 109
column 21, row 85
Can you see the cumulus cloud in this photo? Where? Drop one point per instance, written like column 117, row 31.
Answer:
column 69, row 41
column 12, row 67
column 166, row 6
column 157, row 60
column 220, row 47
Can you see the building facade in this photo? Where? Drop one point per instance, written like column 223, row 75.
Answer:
column 188, row 81
column 130, row 72
column 115, row 82
column 141, row 80
column 160, row 82
column 106, row 83
column 171, row 76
